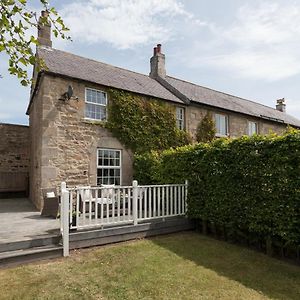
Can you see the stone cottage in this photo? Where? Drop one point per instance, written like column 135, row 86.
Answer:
column 66, row 144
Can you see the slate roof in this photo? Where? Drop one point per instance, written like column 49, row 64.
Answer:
column 203, row 95
column 67, row 64
column 75, row 66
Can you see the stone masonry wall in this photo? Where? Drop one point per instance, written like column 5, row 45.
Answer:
column 64, row 143
column 36, row 132
column 14, row 157
column 14, row 148
column 69, row 142
column 238, row 123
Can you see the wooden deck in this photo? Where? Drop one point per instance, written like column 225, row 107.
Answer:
column 25, row 236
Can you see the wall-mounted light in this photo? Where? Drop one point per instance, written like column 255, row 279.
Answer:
column 68, row 95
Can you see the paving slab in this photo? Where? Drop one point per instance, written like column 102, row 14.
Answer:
column 20, row 220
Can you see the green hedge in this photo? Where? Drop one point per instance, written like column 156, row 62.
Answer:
column 250, row 184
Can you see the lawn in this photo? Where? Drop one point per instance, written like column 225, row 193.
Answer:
column 179, row 266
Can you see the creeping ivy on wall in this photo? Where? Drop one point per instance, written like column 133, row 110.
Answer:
column 142, row 124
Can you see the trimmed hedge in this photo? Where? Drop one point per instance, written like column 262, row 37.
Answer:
column 249, row 185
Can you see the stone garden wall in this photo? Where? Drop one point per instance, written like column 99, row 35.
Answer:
column 14, row 157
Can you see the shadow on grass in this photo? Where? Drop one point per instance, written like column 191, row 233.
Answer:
column 273, row 278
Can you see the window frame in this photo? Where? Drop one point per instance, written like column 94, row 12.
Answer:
column 218, row 134
column 180, row 120
column 97, row 104
column 108, row 167
column 256, row 127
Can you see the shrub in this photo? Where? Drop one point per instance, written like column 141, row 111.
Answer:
column 249, row 185
column 206, row 129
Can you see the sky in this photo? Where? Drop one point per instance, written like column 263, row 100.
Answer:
column 250, row 49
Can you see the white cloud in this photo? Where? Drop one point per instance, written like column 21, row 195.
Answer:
column 123, row 24
column 268, row 23
column 262, row 42
column 270, row 66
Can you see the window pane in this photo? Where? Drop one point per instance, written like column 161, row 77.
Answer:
column 252, row 128
column 180, row 118
column 112, row 154
column 96, row 108
column 96, row 112
column 221, row 124
column 109, row 171
column 97, row 97
column 117, row 162
column 105, row 153
column 88, row 94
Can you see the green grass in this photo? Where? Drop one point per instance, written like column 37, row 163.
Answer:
column 179, row 266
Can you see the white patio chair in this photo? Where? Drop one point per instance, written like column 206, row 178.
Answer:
column 107, row 194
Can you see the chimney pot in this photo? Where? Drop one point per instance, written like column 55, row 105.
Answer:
column 157, row 63
column 154, row 51
column 158, row 48
column 281, row 106
column 44, row 13
column 44, row 30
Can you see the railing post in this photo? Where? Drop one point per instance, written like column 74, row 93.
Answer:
column 134, row 201
column 64, row 212
column 185, row 195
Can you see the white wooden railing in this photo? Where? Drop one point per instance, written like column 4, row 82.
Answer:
column 84, row 207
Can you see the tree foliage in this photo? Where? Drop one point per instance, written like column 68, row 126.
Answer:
column 206, row 130
column 16, row 19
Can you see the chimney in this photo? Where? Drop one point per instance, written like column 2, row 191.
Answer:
column 44, row 30
column 157, row 63
column 281, row 105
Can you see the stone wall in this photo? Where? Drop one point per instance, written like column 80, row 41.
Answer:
column 238, row 123
column 36, row 132
column 64, row 144
column 67, row 143
column 14, row 157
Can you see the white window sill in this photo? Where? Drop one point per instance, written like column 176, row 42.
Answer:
column 93, row 121
column 222, row 135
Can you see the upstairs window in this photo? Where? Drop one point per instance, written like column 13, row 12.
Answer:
column 252, row 128
column 95, row 104
column 180, row 118
column 221, row 125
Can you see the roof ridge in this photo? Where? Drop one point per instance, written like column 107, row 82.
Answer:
column 97, row 61
column 144, row 84
column 227, row 94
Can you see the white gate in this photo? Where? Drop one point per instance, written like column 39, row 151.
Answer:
column 84, row 207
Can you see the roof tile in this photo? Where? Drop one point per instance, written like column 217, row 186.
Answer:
column 203, row 95
column 75, row 66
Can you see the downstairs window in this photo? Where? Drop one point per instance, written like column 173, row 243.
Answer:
column 109, row 166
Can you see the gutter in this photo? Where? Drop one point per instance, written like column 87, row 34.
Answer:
column 161, row 81
column 45, row 72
